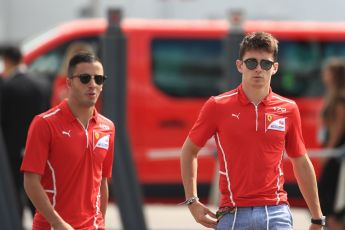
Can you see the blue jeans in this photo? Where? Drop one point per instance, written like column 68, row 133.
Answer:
column 276, row 217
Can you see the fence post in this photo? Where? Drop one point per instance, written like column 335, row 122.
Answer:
column 232, row 77
column 125, row 186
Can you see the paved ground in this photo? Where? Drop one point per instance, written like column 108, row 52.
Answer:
column 171, row 217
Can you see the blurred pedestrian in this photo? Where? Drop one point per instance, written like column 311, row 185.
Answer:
column 59, row 89
column 69, row 154
column 22, row 99
column 252, row 127
column 333, row 136
column 1, row 90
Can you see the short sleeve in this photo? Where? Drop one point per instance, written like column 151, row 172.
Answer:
column 108, row 161
column 205, row 126
column 37, row 147
column 294, row 144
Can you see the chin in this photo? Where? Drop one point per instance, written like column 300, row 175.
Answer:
column 90, row 103
column 258, row 85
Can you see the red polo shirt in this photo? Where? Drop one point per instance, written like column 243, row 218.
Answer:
column 72, row 161
column 251, row 140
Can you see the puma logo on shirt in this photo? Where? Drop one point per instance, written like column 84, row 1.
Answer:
column 67, row 133
column 236, row 115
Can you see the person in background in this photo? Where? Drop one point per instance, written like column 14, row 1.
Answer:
column 1, row 90
column 69, row 154
column 22, row 98
column 252, row 127
column 59, row 88
column 333, row 136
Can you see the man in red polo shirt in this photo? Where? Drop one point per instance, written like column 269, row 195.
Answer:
column 69, row 155
column 252, row 127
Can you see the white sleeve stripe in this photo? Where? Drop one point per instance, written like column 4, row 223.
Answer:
column 226, row 170
column 283, row 99
column 224, row 96
column 52, row 113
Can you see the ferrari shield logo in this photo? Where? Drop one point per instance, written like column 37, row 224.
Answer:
column 269, row 117
column 100, row 140
column 274, row 122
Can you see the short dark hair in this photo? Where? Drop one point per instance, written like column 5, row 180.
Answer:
column 11, row 53
column 259, row 41
column 80, row 58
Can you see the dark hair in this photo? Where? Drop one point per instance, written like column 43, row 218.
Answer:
column 259, row 41
column 12, row 53
column 336, row 67
column 80, row 58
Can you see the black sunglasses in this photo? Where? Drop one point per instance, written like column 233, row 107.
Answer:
column 85, row 78
column 252, row 63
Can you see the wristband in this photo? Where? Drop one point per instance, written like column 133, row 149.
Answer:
column 190, row 200
column 321, row 221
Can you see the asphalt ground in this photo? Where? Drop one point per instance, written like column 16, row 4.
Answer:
column 173, row 217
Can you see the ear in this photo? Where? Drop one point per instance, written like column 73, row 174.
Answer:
column 68, row 82
column 275, row 68
column 239, row 65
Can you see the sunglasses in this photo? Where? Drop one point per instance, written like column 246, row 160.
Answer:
column 85, row 78
column 252, row 63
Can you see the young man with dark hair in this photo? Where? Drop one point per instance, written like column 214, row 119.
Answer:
column 252, row 127
column 69, row 154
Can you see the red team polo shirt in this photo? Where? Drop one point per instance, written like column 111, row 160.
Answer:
column 72, row 161
column 250, row 141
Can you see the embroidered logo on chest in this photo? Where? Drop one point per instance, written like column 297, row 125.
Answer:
column 100, row 140
column 67, row 133
column 236, row 115
column 274, row 122
column 104, row 126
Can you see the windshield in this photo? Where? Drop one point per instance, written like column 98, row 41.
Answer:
column 33, row 42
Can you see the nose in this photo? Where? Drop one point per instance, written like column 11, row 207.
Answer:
column 92, row 81
column 258, row 68
column 91, row 84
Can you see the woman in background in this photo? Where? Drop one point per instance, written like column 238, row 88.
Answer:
column 333, row 119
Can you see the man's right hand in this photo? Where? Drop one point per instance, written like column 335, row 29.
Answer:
column 203, row 215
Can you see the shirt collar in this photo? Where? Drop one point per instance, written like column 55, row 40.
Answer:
column 244, row 99
column 69, row 115
column 268, row 98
